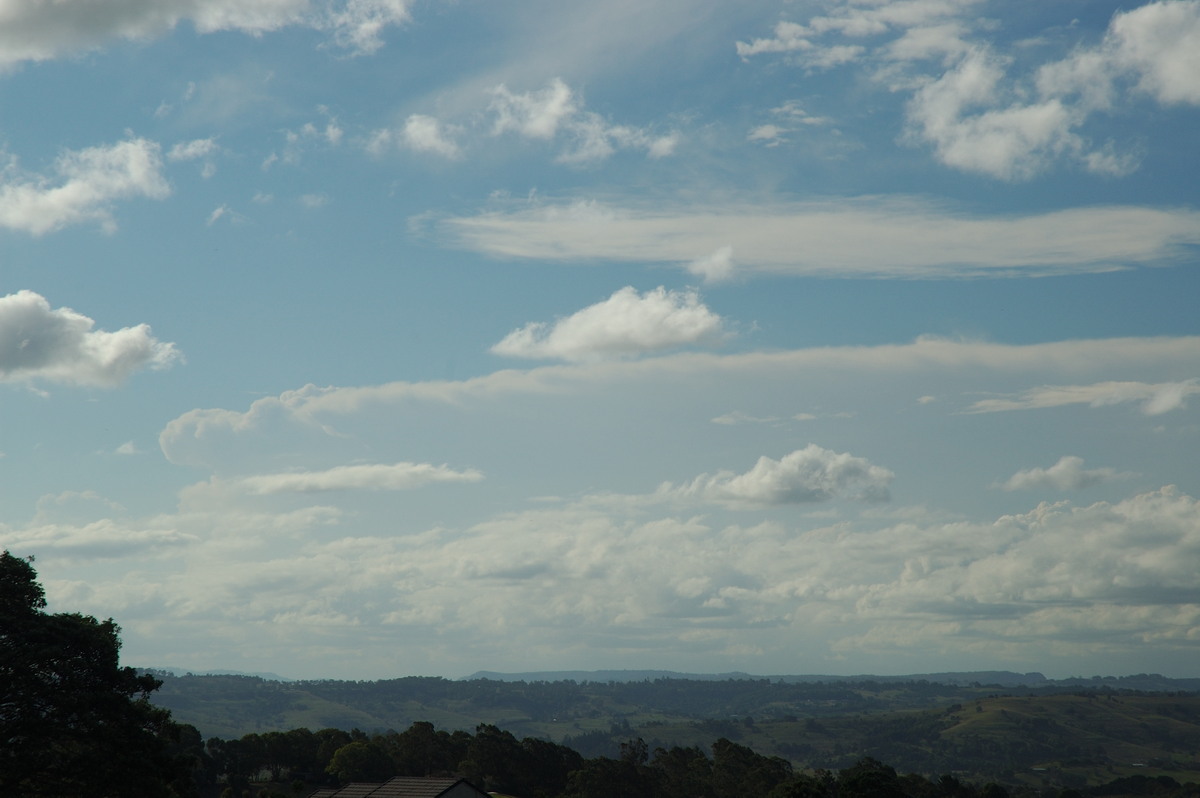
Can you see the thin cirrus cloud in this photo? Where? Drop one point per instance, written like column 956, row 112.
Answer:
column 1067, row 474
column 33, row 31
column 899, row 237
column 83, row 188
column 186, row 437
column 397, row 476
column 811, row 474
column 625, row 324
column 1156, row 398
column 105, row 538
column 59, row 345
column 966, row 103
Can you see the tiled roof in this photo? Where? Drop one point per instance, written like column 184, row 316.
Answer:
column 399, row 787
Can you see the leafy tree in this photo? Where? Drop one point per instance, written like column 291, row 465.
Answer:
column 869, row 778
column 738, row 770
column 685, row 772
column 72, row 721
column 361, row 761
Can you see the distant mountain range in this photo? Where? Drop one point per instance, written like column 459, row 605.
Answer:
column 1141, row 681
column 177, row 671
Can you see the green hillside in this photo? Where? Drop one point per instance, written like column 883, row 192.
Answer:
column 1032, row 736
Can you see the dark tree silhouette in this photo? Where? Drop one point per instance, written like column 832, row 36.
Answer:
column 73, row 722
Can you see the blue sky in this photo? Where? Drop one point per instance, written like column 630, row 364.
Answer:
column 367, row 338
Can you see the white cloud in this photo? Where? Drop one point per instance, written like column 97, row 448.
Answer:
column 99, row 539
column 85, row 184
column 792, row 117
column 306, row 406
column 39, row 31
column 979, row 117
column 1161, row 43
column 811, row 474
column 938, row 18
column 1067, row 474
column 554, row 110
column 191, row 150
column 128, row 448
column 716, row 267
column 426, row 134
column 296, row 142
column 738, row 417
column 1065, row 581
column 398, row 476
column 1012, row 142
column 38, row 343
column 1156, row 398
column 535, row 114
column 358, row 24
column 899, row 237
column 627, row 323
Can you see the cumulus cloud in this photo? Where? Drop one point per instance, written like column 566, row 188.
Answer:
column 398, row 476
column 967, row 102
column 358, row 25
column 1059, row 579
column 40, row 343
column 84, row 185
column 535, row 114
column 39, row 31
column 1156, row 398
column 1154, row 45
column 556, row 111
column 1012, row 142
column 854, row 21
column 900, row 237
column 1067, row 474
column 627, row 323
column 420, row 133
column 811, row 474
column 426, row 134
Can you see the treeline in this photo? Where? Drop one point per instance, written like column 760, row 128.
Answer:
column 284, row 764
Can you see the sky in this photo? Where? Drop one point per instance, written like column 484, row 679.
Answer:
column 360, row 339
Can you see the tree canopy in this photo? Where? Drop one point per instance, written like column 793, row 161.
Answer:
column 73, row 722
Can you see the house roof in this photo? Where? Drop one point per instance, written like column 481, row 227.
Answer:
column 398, row 787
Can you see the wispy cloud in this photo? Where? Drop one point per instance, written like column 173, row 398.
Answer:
column 83, row 188
column 396, row 476
column 899, row 237
column 1156, row 398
